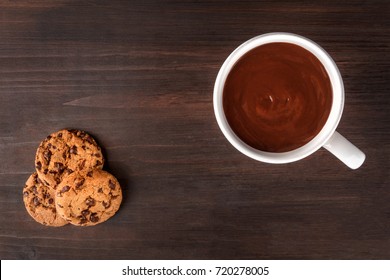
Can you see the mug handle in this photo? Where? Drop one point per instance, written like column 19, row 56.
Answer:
column 345, row 151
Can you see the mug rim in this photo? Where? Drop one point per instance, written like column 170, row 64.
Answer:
column 337, row 98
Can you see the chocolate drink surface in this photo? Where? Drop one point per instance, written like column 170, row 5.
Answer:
column 277, row 97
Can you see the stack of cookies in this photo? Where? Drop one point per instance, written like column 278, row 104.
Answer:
column 69, row 185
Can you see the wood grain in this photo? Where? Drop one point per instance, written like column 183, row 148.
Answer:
column 139, row 76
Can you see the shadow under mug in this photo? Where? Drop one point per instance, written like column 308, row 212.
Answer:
column 328, row 137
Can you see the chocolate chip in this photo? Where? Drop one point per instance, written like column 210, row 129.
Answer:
column 97, row 155
column 46, row 195
column 79, row 183
column 65, row 189
column 89, row 139
column 49, row 145
column 85, row 212
column 94, row 218
column 47, row 155
column 89, row 174
column 106, row 204
column 54, row 147
column 36, row 201
column 48, row 137
column 100, row 190
column 59, row 135
column 69, row 171
column 81, row 134
column 83, row 220
column 111, row 184
column 83, row 146
column 25, row 194
column 34, row 189
column 64, row 155
column 39, row 165
column 90, row 201
column 58, row 180
column 82, row 164
column 60, row 167
column 73, row 150
column 45, row 171
column 98, row 163
column 51, row 201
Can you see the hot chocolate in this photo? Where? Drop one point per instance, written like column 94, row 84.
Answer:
column 277, row 97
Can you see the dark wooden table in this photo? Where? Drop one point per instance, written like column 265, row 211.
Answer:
column 139, row 76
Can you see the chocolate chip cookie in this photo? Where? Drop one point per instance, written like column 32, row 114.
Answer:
column 40, row 202
column 88, row 198
column 64, row 152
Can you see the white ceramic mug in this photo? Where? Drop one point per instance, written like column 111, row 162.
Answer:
column 328, row 137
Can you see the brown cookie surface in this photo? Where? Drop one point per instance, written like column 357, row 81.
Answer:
column 64, row 152
column 40, row 202
column 88, row 198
